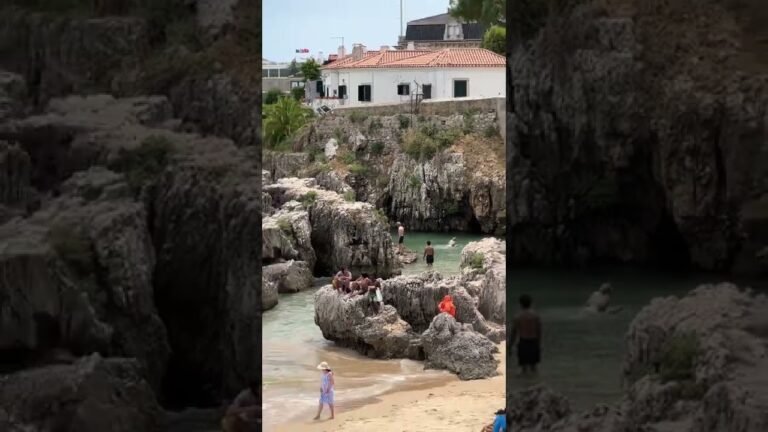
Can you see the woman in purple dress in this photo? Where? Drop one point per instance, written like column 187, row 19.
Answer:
column 326, row 389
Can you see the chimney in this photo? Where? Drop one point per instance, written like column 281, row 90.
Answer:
column 358, row 51
column 411, row 46
column 342, row 52
column 384, row 48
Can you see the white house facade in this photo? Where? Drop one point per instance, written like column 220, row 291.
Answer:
column 392, row 77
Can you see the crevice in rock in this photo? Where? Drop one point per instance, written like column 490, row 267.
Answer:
column 669, row 250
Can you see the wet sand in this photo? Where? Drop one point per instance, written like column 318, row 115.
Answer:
column 448, row 405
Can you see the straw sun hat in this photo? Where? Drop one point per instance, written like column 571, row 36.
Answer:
column 323, row 366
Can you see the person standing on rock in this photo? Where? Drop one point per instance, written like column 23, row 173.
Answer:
column 526, row 333
column 344, row 277
column 429, row 254
column 400, row 237
column 326, row 389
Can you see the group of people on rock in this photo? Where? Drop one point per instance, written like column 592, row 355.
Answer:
column 365, row 284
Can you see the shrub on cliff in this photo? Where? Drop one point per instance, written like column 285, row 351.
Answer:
column 144, row 164
column 73, row 247
column 418, row 145
column 283, row 119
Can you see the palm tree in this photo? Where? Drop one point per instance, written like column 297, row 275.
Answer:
column 283, row 119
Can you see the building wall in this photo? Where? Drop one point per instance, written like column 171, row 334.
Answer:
column 282, row 84
column 482, row 83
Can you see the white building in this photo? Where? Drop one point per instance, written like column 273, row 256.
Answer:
column 397, row 76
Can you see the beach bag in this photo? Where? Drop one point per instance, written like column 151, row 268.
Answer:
column 379, row 297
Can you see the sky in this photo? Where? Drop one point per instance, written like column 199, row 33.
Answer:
column 293, row 24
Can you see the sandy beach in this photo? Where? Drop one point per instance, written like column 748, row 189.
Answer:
column 461, row 406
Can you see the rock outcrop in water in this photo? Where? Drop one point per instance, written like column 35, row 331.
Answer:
column 343, row 233
column 290, row 277
column 350, row 323
column 484, row 271
column 692, row 364
column 635, row 135
column 450, row 345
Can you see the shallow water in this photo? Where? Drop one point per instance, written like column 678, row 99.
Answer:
column 582, row 352
column 293, row 346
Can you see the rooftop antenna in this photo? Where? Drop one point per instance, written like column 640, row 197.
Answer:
column 401, row 18
column 342, row 41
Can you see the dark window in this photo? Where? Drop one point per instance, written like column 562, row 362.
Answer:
column 459, row 88
column 319, row 86
column 426, row 89
column 364, row 93
column 403, row 89
column 429, row 32
column 342, row 91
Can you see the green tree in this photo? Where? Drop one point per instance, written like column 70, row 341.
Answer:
column 488, row 12
column 495, row 39
column 272, row 96
column 283, row 119
column 311, row 70
column 297, row 93
column 293, row 68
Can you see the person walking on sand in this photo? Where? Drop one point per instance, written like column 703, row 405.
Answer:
column 429, row 254
column 326, row 389
column 526, row 331
column 447, row 306
column 400, row 237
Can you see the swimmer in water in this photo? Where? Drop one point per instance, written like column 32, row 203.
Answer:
column 452, row 242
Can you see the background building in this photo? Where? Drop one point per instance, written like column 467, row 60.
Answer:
column 441, row 31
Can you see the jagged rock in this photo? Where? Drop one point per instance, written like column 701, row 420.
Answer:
column 344, row 233
column 76, row 55
column 214, row 15
column 333, row 181
column 616, row 159
column 449, row 345
column 266, row 177
column 536, row 408
column 90, row 395
column 416, row 299
column 290, row 277
column 330, row 148
column 85, row 259
column 268, row 293
column 13, row 93
column 287, row 235
column 407, row 256
column 283, row 165
column 484, row 267
column 349, row 322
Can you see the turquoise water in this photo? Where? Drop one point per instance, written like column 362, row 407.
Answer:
column 447, row 259
column 581, row 352
column 292, row 347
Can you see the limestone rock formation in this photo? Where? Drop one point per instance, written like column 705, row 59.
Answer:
column 268, row 293
column 650, row 146
column 344, row 233
column 15, row 188
column 290, row 277
column 91, row 395
column 13, row 93
column 416, row 299
column 351, row 323
column 449, row 345
column 282, row 165
column 286, row 235
column 333, row 181
column 484, row 266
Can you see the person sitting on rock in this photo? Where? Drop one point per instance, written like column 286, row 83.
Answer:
column 344, row 277
column 243, row 415
column 600, row 299
column 447, row 306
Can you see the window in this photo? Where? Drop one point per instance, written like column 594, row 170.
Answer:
column 297, row 84
column 364, row 93
column 460, row 88
column 342, row 91
column 403, row 89
column 319, row 87
column 426, row 90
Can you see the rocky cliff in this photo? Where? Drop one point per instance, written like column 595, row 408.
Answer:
column 636, row 134
column 692, row 364
column 431, row 172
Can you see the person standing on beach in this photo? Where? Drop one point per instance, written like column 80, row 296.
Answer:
column 429, row 254
column 400, row 236
column 526, row 331
column 326, row 389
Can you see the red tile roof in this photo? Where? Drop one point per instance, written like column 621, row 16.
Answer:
column 448, row 57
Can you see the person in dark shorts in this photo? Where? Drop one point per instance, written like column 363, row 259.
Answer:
column 429, row 254
column 400, row 236
column 526, row 333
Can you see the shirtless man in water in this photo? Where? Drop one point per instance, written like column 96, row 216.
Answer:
column 429, row 254
column 526, row 334
column 400, row 236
